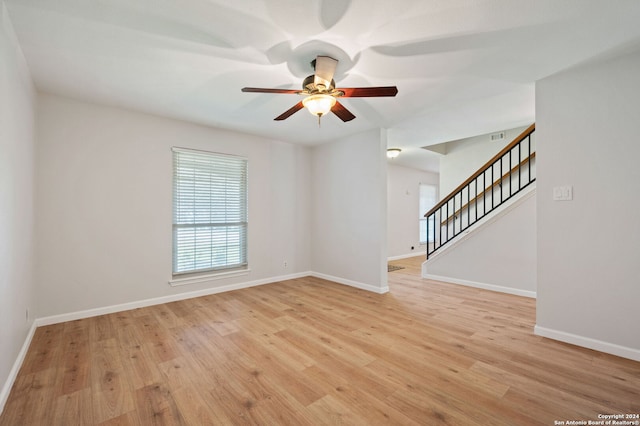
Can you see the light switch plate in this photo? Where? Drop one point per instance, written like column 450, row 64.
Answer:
column 563, row 193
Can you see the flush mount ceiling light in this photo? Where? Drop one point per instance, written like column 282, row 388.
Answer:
column 393, row 152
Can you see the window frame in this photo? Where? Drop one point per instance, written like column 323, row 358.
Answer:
column 214, row 227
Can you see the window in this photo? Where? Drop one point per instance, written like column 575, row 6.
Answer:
column 209, row 211
column 428, row 194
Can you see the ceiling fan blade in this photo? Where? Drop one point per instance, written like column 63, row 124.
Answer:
column 325, row 68
column 366, row 92
column 342, row 113
column 259, row 90
column 288, row 113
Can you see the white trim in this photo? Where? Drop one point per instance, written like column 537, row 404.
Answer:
column 72, row 316
column 350, row 283
column 492, row 287
column 408, row 255
column 201, row 151
column 176, row 282
column 13, row 374
column 587, row 342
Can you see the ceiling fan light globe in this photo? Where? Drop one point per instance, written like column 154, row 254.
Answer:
column 319, row 104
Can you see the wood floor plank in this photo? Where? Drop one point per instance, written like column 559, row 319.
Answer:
column 157, row 337
column 278, row 349
column 194, row 408
column 135, row 357
column 331, row 411
column 127, row 419
column 308, row 351
column 101, row 328
column 32, row 398
column 281, row 374
column 245, row 401
column 108, row 381
column 335, row 381
column 46, row 349
column 364, row 405
column 546, row 396
column 459, row 400
column 194, row 347
column 75, row 375
column 155, row 406
column 276, row 394
column 224, row 397
column 73, row 408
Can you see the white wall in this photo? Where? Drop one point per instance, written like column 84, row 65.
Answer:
column 17, row 105
column 497, row 254
column 349, row 227
column 465, row 156
column 104, row 204
column 588, row 248
column 403, row 198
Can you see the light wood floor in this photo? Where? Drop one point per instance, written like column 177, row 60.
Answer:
column 310, row 352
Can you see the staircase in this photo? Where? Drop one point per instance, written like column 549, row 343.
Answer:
column 503, row 177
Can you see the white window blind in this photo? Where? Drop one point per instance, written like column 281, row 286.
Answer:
column 209, row 211
column 428, row 195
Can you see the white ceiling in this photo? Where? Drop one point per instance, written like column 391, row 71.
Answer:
column 462, row 67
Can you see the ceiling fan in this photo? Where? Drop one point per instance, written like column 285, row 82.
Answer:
column 321, row 93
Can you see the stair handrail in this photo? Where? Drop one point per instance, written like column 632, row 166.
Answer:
column 493, row 185
column 438, row 211
column 483, row 169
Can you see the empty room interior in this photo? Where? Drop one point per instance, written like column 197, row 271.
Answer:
column 322, row 212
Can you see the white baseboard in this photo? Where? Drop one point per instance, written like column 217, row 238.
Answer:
column 408, row 255
column 72, row 316
column 356, row 284
column 8, row 384
column 492, row 287
column 587, row 342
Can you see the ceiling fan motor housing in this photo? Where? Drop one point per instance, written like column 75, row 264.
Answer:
column 309, row 85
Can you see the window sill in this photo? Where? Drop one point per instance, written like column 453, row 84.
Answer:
column 176, row 282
